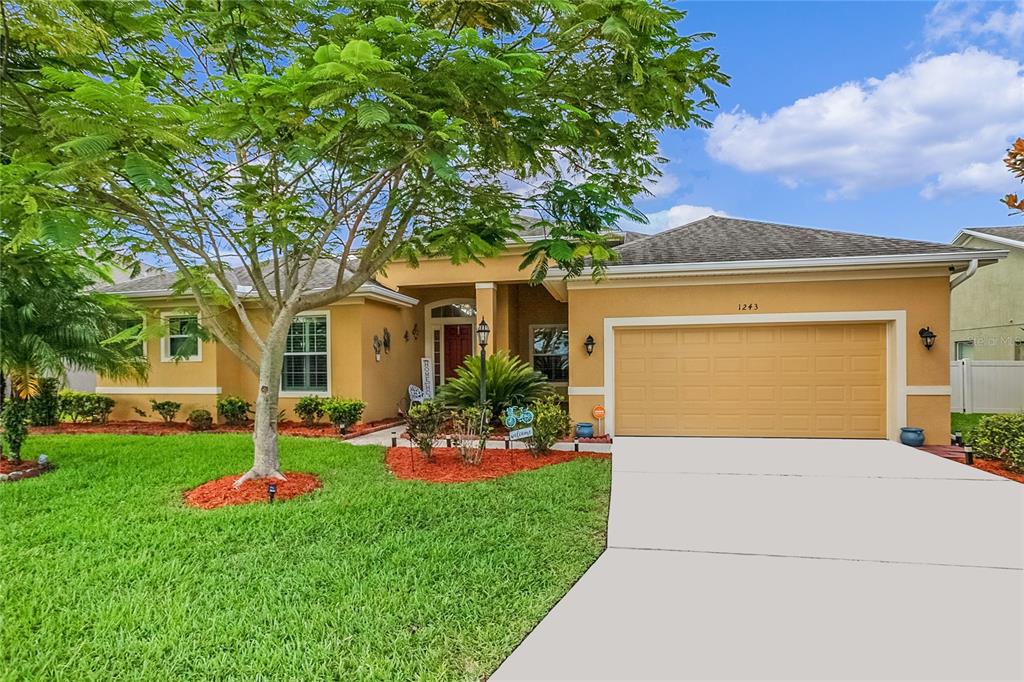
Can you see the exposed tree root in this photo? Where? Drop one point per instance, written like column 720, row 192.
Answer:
column 252, row 475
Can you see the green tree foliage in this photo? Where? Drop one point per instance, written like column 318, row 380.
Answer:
column 50, row 320
column 280, row 135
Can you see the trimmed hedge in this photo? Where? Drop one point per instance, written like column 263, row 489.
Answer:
column 1001, row 436
column 78, row 406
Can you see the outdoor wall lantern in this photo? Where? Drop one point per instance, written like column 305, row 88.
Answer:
column 927, row 337
column 387, row 340
column 377, row 345
column 589, row 344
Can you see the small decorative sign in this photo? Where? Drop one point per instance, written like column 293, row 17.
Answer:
column 427, row 377
column 518, row 416
column 598, row 411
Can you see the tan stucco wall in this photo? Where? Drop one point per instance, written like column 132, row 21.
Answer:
column 925, row 300
column 440, row 271
column 385, row 383
column 989, row 307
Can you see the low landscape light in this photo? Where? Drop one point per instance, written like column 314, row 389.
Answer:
column 589, row 344
column 927, row 337
column 271, row 492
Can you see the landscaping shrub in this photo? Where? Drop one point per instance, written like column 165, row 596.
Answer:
column 234, row 410
column 423, row 423
column 309, row 409
column 168, row 409
column 470, row 430
column 1001, row 436
column 79, row 406
column 550, row 423
column 15, row 422
column 44, row 407
column 344, row 412
column 200, row 420
column 510, row 381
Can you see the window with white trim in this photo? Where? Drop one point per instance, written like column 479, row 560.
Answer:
column 305, row 355
column 182, row 342
column 549, row 351
column 964, row 350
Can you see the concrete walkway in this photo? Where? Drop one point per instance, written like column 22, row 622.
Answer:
column 792, row 559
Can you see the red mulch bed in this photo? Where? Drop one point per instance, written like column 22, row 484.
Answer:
column 994, row 466
column 6, row 466
column 409, row 463
column 154, row 428
column 221, row 493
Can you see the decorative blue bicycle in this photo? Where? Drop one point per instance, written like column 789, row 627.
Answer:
column 517, row 415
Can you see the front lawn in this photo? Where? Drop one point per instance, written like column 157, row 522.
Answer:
column 108, row 575
column 965, row 423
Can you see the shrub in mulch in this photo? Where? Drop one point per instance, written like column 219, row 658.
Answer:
column 221, row 492
column 447, row 467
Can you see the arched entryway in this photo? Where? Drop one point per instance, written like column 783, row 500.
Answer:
column 451, row 327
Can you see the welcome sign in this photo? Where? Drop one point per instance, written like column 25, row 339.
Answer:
column 518, row 416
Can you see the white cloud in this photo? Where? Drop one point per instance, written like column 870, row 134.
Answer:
column 962, row 21
column 677, row 215
column 663, row 186
column 936, row 118
column 977, row 177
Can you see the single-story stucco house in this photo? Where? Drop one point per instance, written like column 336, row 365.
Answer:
column 721, row 327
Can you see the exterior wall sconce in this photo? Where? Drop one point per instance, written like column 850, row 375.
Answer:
column 927, row 337
column 589, row 344
column 377, row 345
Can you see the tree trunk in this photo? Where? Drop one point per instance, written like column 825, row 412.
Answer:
column 266, row 462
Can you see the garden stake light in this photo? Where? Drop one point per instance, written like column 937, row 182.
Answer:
column 968, row 455
column 271, row 491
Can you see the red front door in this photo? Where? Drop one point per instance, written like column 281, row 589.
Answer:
column 458, row 343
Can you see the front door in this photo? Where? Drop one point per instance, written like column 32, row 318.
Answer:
column 458, row 343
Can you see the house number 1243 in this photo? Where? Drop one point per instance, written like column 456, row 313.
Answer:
column 746, row 306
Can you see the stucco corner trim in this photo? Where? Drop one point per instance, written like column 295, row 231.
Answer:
column 586, row 390
column 929, row 390
column 159, row 390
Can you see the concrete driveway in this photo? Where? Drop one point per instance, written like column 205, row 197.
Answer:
column 792, row 559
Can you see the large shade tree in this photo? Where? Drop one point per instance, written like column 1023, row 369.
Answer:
column 273, row 136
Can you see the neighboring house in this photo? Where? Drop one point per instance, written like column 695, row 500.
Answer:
column 987, row 314
column 721, row 327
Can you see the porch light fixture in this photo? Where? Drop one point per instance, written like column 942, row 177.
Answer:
column 927, row 337
column 589, row 344
column 482, row 332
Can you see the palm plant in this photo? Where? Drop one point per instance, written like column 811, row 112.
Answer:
column 510, row 381
column 51, row 320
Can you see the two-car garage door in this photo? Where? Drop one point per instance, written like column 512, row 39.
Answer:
column 822, row 380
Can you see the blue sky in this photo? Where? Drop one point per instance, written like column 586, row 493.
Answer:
column 885, row 118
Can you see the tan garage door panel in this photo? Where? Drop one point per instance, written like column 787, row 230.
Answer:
column 825, row 380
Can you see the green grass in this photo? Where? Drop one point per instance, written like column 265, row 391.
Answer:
column 108, row 576
column 965, row 423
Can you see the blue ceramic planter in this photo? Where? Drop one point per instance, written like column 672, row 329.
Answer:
column 584, row 430
column 912, row 436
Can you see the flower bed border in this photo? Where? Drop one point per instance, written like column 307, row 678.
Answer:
column 409, row 464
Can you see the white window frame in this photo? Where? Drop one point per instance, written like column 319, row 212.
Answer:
column 165, row 340
column 966, row 343
column 555, row 325
column 145, row 342
column 326, row 393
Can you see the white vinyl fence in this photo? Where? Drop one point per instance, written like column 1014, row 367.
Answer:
column 987, row 385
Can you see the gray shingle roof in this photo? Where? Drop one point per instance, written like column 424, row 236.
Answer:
column 719, row 239
column 324, row 274
column 1013, row 232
